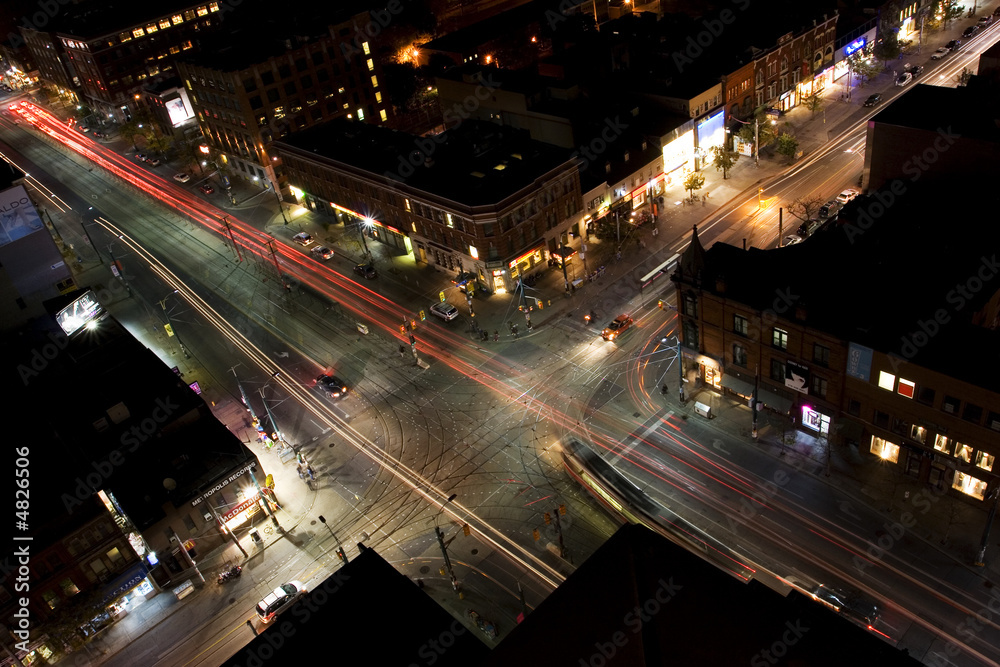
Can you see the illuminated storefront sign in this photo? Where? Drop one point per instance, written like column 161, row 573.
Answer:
column 678, row 152
column 223, row 484
column 246, row 504
column 856, row 45
column 77, row 314
column 711, row 132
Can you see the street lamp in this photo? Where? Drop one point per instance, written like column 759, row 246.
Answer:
column 365, row 225
column 444, row 548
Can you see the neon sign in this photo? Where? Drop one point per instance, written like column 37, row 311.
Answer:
column 856, row 45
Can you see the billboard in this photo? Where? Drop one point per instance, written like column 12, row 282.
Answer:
column 77, row 314
column 797, row 377
column 859, row 362
column 18, row 217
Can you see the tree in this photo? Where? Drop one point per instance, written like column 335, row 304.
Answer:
column 813, row 102
column 130, row 130
column 156, row 141
column 805, row 208
column 951, row 10
column 887, row 48
column 861, row 65
column 787, row 145
column 764, row 129
column 723, row 159
column 962, row 78
column 694, row 181
column 79, row 610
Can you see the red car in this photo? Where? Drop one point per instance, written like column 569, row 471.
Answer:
column 206, row 188
column 619, row 326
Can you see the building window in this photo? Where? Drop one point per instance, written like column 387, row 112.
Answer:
column 969, row 485
column 821, row 355
column 690, row 334
column 690, row 305
column 819, row 387
column 777, row 370
column 925, row 395
column 906, row 388
column 984, row 460
column 963, row 452
column 779, row 338
column 51, row 599
column 950, row 405
column 885, row 450
column 854, row 407
column 886, row 381
column 881, row 419
column 740, row 325
column 918, row 433
column 972, row 413
column 942, row 444
column 374, row 82
column 68, row 587
column 739, row 355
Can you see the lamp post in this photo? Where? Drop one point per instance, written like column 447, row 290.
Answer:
column 981, row 555
column 281, row 206
column 444, row 548
column 170, row 326
column 364, row 225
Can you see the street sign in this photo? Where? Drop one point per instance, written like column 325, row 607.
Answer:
column 269, row 481
column 169, row 329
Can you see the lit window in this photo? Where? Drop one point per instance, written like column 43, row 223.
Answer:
column 963, row 452
column 138, row 32
column 984, row 460
column 906, row 388
column 885, row 450
column 969, row 485
column 918, row 433
column 374, row 82
column 177, row 19
column 340, row 90
column 371, row 64
column 202, row 11
column 164, row 24
column 383, row 115
column 125, row 37
column 213, row 7
column 361, row 114
column 151, row 28
column 378, row 97
column 942, row 444
column 473, row 252
column 406, row 204
column 779, row 338
column 886, row 380
column 186, row 45
column 364, row 47
column 68, row 587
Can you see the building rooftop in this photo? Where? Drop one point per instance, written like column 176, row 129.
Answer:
column 882, row 270
column 920, row 109
column 467, row 40
column 95, row 18
column 475, row 164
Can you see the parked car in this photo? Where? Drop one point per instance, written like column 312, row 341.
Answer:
column 366, row 270
column 904, row 79
column 940, row 53
column 182, row 177
column 332, row 385
column 152, row 162
column 847, row 195
column 141, row 157
column 791, row 239
column 985, row 20
column 970, row 31
column 206, row 188
column 915, row 70
column 873, row 99
column 807, row 228
column 831, row 209
column 445, row 311
column 302, row 239
column 280, row 599
column 617, row 327
column 322, row 252
column 954, row 44
column 84, row 128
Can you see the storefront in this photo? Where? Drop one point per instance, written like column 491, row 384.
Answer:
column 815, row 421
column 711, row 132
column 525, row 263
column 709, row 369
column 678, row 156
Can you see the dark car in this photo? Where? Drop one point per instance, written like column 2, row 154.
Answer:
column 332, row 385
column 970, row 31
column 996, row 12
column 206, row 188
column 366, row 270
column 873, row 100
column 985, row 20
column 915, row 70
column 954, row 44
column 807, row 228
column 852, row 604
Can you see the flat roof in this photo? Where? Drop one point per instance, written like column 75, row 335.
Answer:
column 475, row 164
column 921, row 109
column 487, row 30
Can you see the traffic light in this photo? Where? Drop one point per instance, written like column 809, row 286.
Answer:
column 441, row 295
column 539, row 304
column 562, row 510
column 413, row 325
column 466, row 530
column 660, row 304
column 535, row 534
column 548, row 518
column 402, row 329
column 521, row 308
column 423, row 316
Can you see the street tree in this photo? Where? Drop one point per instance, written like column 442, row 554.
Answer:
column 764, row 129
column 813, row 102
column 888, row 48
column 156, row 140
column 78, row 611
column 862, row 65
column 723, row 159
column 787, row 145
column 962, row 78
column 804, row 208
column 130, row 130
column 694, row 181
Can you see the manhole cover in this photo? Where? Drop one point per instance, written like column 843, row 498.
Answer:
column 475, row 551
column 635, row 414
column 424, row 569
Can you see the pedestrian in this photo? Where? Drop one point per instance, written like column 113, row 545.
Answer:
column 496, row 336
column 312, row 473
column 402, row 351
column 301, row 474
column 299, row 458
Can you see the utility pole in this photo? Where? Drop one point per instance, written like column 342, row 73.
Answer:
column 246, row 400
column 186, row 557
column 447, row 561
column 229, row 231
column 281, row 206
column 340, row 547
column 117, row 270
column 226, row 531
column 753, row 400
column 86, row 233
column 780, row 234
column 680, row 369
column 756, row 140
column 170, row 326
column 981, row 556
column 562, row 547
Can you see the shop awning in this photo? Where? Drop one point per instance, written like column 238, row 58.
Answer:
column 773, row 401
column 124, row 583
column 733, row 383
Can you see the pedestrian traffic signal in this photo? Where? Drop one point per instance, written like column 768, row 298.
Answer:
column 466, row 530
column 402, row 329
column 423, row 316
column 562, row 510
column 548, row 518
column 660, row 304
column 413, row 325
